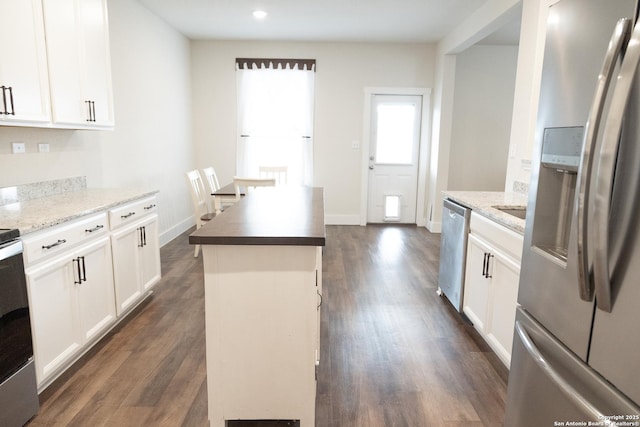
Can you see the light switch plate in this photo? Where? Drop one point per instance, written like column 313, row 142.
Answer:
column 43, row 147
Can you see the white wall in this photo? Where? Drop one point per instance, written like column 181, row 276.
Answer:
column 482, row 110
column 527, row 91
column 343, row 71
column 487, row 19
column 151, row 145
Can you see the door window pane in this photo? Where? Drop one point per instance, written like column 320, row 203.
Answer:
column 395, row 126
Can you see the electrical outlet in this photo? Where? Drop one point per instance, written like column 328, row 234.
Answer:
column 43, row 147
column 18, row 147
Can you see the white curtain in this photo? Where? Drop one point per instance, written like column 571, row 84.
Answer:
column 275, row 121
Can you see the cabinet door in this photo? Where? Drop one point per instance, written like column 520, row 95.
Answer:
column 63, row 52
column 504, row 296
column 319, row 291
column 96, row 296
column 477, row 285
column 124, row 246
column 149, row 253
column 54, row 315
column 94, row 27
column 23, row 63
column 79, row 64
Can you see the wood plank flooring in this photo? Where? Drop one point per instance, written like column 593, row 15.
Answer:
column 393, row 352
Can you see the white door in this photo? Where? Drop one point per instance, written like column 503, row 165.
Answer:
column 393, row 158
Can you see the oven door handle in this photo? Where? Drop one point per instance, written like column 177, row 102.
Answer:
column 10, row 249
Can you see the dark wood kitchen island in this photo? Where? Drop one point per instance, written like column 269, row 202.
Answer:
column 262, row 262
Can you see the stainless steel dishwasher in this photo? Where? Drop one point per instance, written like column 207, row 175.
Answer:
column 453, row 251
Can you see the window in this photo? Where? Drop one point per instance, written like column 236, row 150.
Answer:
column 395, row 134
column 275, row 117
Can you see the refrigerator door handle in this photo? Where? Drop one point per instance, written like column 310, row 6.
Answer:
column 618, row 42
column 567, row 389
column 606, row 168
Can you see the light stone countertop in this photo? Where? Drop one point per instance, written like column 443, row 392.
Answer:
column 483, row 202
column 37, row 214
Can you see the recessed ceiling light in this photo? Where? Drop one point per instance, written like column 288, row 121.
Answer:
column 259, row 14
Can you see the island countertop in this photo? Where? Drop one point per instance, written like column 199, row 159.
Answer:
column 270, row 216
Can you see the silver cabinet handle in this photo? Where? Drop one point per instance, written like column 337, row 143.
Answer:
column 53, row 245
column 96, row 228
column 606, row 168
column 619, row 40
column 567, row 389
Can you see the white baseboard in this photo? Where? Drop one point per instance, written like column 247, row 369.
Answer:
column 434, row 227
column 342, row 219
column 170, row 234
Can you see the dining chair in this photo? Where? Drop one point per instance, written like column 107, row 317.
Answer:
column 199, row 198
column 250, row 184
column 211, row 178
column 279, row 173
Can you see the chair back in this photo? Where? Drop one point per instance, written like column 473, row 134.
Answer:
column 250, row 184
column 198, row 195
column 279, row 173
column 211, row 178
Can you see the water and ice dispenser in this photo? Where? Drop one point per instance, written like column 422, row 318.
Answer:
column 560, row 159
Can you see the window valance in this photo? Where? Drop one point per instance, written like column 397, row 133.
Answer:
column 300, row 64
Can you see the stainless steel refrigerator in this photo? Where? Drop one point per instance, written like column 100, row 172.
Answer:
column 576, row 351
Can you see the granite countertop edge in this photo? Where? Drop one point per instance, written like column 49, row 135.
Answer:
column 483, row 202
column 38, row 214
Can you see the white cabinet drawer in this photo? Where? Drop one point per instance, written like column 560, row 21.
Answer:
column 497, row 235
column 132, row 212
column 63, row 237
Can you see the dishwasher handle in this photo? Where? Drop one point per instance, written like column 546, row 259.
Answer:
column 456, row 208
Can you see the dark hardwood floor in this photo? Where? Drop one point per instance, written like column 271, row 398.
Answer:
column 393, row 352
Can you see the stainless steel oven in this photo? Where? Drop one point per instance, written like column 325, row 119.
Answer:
column 18, row 390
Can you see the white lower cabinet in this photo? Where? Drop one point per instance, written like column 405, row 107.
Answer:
column 72, row 304
column 149, row 253
column 83, row 277
column 477, row 285
column 96, row 293
column 136, row 260
column 491, row 282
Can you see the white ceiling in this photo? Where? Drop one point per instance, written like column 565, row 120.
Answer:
column 320, row 20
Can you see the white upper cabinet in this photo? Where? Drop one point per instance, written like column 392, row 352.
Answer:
column 24, row 94
column 79, row 63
